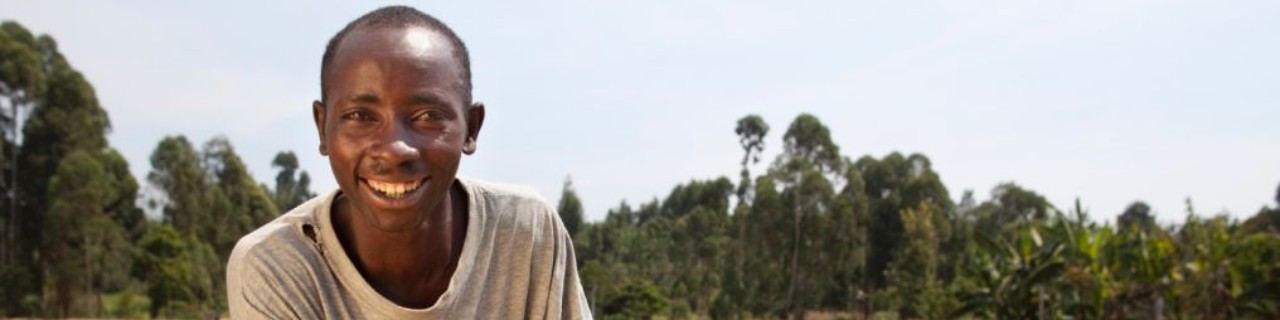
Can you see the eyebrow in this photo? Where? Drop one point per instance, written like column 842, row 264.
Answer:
column 428, row 99
column 415, row 99
column 363, row 98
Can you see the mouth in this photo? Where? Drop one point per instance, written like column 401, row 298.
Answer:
column 394, row 190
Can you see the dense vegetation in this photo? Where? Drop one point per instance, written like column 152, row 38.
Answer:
column 819, row 233
column 75, row 241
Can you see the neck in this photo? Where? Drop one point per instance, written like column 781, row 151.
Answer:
column 410, row 267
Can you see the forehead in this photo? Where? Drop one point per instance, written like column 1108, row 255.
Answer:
column 406, row 43
column 404, row 57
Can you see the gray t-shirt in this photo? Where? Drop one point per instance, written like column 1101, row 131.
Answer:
column 517, row 263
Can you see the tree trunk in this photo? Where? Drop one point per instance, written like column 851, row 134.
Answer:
column 797, row 311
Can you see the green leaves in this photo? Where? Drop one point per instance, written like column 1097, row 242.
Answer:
column 570, row 208
column 293, row 187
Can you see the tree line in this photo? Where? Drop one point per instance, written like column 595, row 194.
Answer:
column 76, row 241
column 823, row 235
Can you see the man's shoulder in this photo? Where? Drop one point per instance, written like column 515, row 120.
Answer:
column 506, row 194
column 277, row 271
column 502, row 203
column 287, row 238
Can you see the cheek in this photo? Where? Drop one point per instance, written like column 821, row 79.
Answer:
column 444, row 151
column 344, row 156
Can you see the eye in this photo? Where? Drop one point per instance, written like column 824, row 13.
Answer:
column 431, row 116
column 358, row 115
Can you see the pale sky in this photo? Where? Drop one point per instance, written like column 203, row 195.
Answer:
column 1106, row 101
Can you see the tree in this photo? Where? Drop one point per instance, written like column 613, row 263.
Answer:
column 768, row 241
column 809, row 156
column 65, row 119
column 751, row 131
column 176, row 170
column 636, row 300
column 570, row 208
column 177, row 272
column 894, row 183
column 1011, row 204
column 849, row 244
column 913, row 276
column 292, row 185
column 1136, row 215
column 241, row 205
column 22, row 79
column 83, row 244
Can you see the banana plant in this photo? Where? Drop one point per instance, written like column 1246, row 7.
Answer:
column 1015, row 277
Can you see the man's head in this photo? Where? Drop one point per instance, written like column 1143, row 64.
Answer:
column 396, row 115
column 399, row 17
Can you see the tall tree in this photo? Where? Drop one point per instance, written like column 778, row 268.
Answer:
column 892, row 184
column 1011, row 205
column 84, row 246
column 22, row 80
column 849, row 246
column 751, row 131
column 570, row 208
column 65, row 118
column 913, row 275
column 696, row 218
column 176, row 170
column 241, row 204
column 292, row 185
column 808, row 158
column 768, row 242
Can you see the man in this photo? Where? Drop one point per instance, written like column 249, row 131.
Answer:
column 403, row 237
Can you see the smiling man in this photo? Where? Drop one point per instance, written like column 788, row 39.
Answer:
column 404, row 237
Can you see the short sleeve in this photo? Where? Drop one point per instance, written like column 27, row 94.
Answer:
column 265, row 282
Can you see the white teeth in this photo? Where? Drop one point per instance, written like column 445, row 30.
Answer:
column 392, row 189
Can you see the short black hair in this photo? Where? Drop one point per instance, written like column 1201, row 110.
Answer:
column 400, row 17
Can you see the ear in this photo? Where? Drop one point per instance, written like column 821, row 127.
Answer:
column 318, row 114
column 475, row 120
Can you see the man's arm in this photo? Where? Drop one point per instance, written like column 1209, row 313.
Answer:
column 564, row 297
column 573, row 301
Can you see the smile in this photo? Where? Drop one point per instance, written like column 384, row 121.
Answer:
column 393, row 190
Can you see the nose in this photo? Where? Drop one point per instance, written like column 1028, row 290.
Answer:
column 393, row 151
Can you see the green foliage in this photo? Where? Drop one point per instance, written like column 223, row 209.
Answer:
column 892, row 184
column 239, row 205
column 914, row 274
column 635, row 300
column 74, row 219
column 1137, row 215
column 881, row 238
column 21, row 69
column 73, row 242
column 177, row 271
column 751, row 131
column 292, row 185
column 1011, row 205
column 570, row 208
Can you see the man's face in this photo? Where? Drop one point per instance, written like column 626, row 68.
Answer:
column 394, row 126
